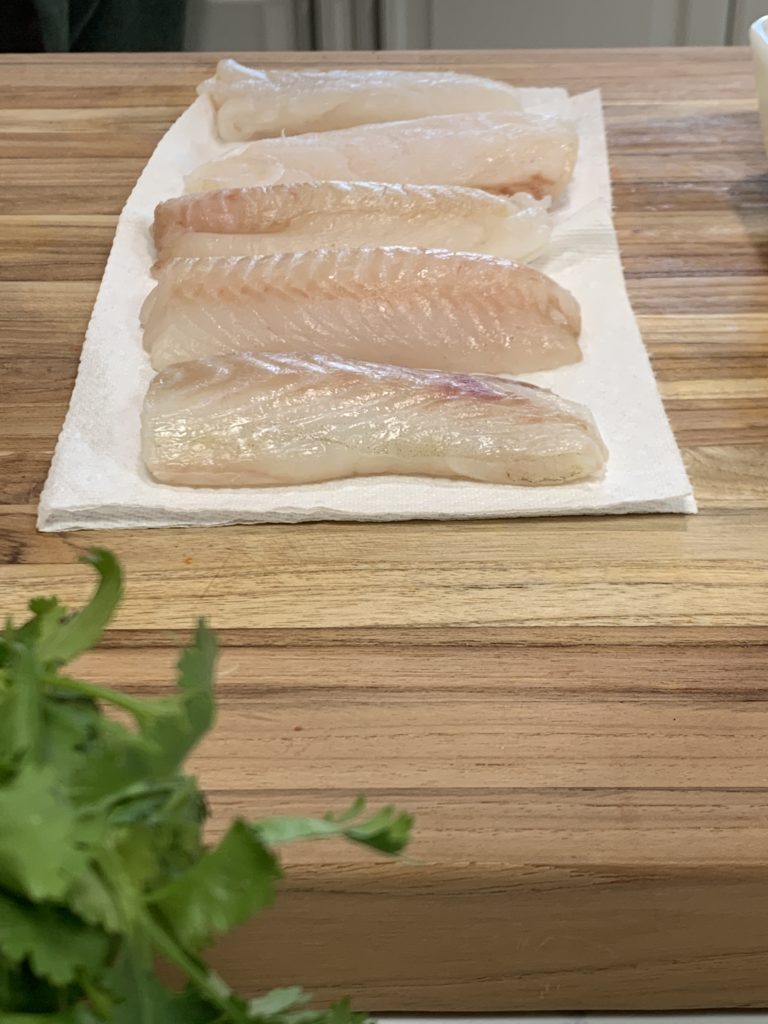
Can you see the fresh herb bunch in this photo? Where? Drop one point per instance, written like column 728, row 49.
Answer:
column 102, row 862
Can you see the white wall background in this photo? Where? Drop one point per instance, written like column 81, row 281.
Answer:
column 745, row 12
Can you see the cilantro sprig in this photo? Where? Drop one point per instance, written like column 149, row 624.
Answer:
column 103, row 867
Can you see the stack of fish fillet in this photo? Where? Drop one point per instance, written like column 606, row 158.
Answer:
column 345, row 292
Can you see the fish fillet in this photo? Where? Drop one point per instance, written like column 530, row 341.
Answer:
column 444, row 310
column 257, row 420
column 251, row 103
column 499, row 151
column 296, row 218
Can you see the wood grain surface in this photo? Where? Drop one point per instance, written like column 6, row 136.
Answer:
column 576, row 710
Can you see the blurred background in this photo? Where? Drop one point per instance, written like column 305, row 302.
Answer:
column 459, row 24
column 237, row 25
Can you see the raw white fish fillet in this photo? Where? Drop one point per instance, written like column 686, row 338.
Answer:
column 451, row 311
column 258, row 420
column 328, row 214
column 252, row 103
column 499, row 151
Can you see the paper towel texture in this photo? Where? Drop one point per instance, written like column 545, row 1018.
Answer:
column 97, row 478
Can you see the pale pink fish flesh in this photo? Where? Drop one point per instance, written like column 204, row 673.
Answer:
column 499, row 151
column 264, row 221
column 264, row 420
column 253, row 103
column 450, row 311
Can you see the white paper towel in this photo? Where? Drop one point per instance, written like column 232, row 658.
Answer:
column 97, row 478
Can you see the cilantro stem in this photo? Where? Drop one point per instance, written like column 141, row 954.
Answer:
column 132, row 705
column 211, row 988
column 147, row 933
column 139, row 962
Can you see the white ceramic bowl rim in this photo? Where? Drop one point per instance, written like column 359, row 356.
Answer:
column 758, row 36
column 759, row 28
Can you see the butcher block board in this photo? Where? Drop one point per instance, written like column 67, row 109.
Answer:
column 574, row 709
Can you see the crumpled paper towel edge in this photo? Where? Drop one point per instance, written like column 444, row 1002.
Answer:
column 112, row 516
column 101, row 518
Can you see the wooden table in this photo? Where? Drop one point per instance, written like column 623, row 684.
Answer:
column 575, row 709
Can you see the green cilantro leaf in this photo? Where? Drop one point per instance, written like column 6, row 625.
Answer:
column 277, row 1001
column 20, row 706
column 387, row 831
column 70, row 730
column 157, row 831
column 44, row 843
column 139, row 997
column 77, row 1015
column 62, row 640
column 180, row 722
column 47, row 616
column 22, row 990
column 339, row 1013
column 221, row 890
column 91, row 899
column 120, row 760
column 57, row 944
column 168, row 728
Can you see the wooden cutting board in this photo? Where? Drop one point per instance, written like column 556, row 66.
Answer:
column 574, row 709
